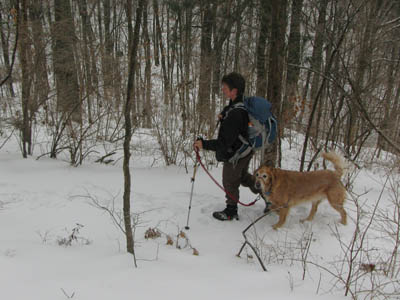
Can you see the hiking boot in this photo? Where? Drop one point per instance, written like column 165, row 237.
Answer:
column 229, row 213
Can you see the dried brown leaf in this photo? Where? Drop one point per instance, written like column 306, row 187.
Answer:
column 169, row 241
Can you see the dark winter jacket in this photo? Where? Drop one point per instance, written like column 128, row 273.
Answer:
column 234, row 122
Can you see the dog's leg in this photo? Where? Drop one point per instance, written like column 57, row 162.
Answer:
column 313, row 210
column 342, row 212
column 274, row 208
column 283, row 212
column 336, row 200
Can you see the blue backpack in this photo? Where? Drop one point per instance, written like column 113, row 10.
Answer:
column 262, row 129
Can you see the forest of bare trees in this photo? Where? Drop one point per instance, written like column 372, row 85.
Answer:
column 331, row 69
column 79, row 78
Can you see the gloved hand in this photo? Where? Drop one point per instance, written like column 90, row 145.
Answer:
column 198, row 144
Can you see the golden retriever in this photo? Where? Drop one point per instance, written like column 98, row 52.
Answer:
column 285, row 189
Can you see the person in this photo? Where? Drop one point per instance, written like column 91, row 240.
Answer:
column 233, row 122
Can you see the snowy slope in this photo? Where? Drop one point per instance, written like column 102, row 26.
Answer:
column 42, row 201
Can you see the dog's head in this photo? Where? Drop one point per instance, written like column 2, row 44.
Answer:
column 264, row 178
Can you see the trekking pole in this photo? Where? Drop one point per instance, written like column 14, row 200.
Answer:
column 196, row 164
column 191, row 192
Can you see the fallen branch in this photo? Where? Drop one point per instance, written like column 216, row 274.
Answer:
column 246, row 242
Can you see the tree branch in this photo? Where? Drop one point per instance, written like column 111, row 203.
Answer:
column 15, row 45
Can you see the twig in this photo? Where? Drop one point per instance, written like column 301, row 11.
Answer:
column 305, row 254
column 246, row 241
column 6, row 140
column 111, row 212
column 101, row 159
column 68, row 296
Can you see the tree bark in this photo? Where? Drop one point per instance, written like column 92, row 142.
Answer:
column 41, row 82
column 265, row 16
column 275, row 71
column 63, row 33
column 26, row 80
column 316, row 59
column 6, row 56
column 236, row 66
column 203, row 107
column 86, row 29
column 128, row 130
column 294, row 59
column 362, row 68
column 148, row 85
column 163, row 53
column 187, row 59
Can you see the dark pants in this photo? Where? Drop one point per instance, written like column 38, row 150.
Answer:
column 234, row 176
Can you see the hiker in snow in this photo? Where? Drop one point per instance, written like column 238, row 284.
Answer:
column 233, row 123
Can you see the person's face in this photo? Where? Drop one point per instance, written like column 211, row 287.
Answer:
column 229, row 93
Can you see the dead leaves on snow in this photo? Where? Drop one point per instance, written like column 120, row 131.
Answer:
column 181, row 240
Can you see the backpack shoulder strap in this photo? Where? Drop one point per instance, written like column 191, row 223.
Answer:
column 239, row 105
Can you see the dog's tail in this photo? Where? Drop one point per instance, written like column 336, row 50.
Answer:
column 337, row 161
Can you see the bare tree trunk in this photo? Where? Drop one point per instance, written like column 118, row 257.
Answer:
column 187, row 57
column 394, row 120
column 181, row 76
column 65, row 71
column 163, row 53
column 108, row 50
column 362, row 65
column 26, row 80
column 116, row 57
column 275, row 72
column 107, row 27
column 148, row 85
column 237, row 45
column 6, row 56
column 41, row 83
column 203, row 104
column 128, row 131
column 265, row 16
column 129, row 16
column 316, row 59
column 102, row 50
column 294, row 57
column 222, row 32
column 86, row 28
column 215, row 71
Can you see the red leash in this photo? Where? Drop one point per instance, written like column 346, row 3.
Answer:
column 220, row 186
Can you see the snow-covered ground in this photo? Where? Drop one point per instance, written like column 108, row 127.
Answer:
column 43, row 201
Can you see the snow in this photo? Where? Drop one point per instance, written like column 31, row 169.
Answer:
column 42, row 201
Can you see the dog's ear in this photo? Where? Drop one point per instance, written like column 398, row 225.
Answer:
column 269, row 163
column 271, row 175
